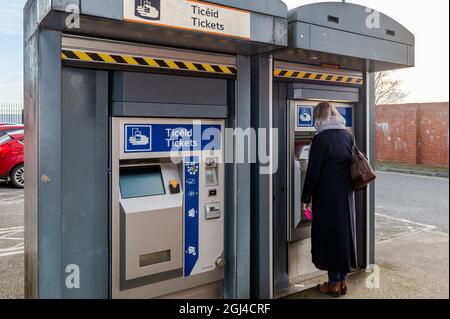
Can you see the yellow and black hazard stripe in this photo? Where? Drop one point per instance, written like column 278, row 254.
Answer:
column 316, row 76
column 150, row 62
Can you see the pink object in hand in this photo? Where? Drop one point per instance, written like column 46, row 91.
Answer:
column 309, row 214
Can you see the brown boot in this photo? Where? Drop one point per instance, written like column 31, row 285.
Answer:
column 343, row 286
column 333, row 290
column 324, row 288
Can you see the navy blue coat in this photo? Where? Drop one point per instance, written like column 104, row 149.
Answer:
column 328, row 186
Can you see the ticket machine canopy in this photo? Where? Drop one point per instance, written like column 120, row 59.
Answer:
column 349, row 36
column 228, row 26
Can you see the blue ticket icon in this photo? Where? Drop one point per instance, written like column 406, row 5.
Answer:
column 305, row 116
column 138, row 138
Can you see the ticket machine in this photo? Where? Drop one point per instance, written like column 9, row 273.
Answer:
column 131, row 101
column 333, row 52
column 295, row 100
column 301, row 131
column 168, row 205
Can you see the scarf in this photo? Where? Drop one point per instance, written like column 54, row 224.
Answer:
column 333, row 124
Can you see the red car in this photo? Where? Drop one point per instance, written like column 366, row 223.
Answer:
column 11, row 158
column 9, row 128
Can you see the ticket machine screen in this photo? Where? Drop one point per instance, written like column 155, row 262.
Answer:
column 141, row 182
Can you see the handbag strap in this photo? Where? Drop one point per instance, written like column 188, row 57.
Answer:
column 355, row 146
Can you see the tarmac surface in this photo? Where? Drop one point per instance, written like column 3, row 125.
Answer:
column 419, row 199
column 11, row 242
column 412, row 250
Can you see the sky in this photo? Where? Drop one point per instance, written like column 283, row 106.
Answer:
column 428, row 81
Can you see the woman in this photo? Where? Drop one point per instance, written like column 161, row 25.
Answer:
column 328, row 187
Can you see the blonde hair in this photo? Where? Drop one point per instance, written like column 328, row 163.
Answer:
column 323, row 113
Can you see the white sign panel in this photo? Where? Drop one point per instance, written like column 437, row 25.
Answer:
column 191, row 15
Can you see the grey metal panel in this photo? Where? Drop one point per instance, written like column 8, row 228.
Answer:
column 261, row 183
column 230, row 205
column 49, row 156
column 157, row 88
column 297, row 91
column 300, row 35
column 85, row 191
column 31, row 104
column 353, row 18
column 62, row 5
column 262, row 28
column 243, row 188
column 354, row 45
column 341, row 34
column 113, row 10
column 323, row 87
column 43, row 9
column 311, row 94
column 411, row 56
column 280, row 31
column 360, row 129
column 268, row 29
column 371, row 198
column 237, row 284
column 132, row 109
column 30, row 21
column 280, row 181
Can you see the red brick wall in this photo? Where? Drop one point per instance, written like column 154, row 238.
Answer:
column 433, row 139
column 413, row 133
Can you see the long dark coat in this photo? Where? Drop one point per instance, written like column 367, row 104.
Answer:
column 328, row 186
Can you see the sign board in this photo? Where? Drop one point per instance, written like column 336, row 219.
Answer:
column 164, row 138
column 305, row 116
column 190, row 15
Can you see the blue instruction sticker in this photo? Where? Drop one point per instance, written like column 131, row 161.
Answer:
column 305, row 116
column 191, row 213
column 138, row 138
column 347, row 113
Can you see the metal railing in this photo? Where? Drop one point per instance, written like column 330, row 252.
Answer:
column 11, row 113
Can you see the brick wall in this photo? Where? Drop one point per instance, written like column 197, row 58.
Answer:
column 413, row 133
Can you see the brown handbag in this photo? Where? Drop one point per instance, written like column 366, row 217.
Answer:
column 362, row 172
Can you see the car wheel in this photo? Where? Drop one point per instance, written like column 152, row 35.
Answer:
column 18, row 176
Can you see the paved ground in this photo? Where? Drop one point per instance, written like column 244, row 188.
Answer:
column 412, row 251
column 412, row 241
column 412, row 263
column 416, row 198
column 11, row 242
